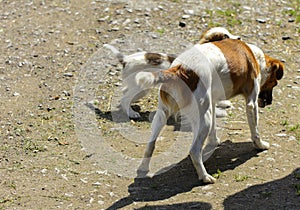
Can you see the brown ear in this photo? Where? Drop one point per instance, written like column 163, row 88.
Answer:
column 278, row 69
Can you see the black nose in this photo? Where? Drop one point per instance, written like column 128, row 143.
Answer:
column 239, row 38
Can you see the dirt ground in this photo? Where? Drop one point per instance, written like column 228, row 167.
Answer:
column 65, row 145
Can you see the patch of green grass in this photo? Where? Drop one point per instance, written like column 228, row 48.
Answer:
column 218, row 174
column 239, row 178
column 294, row 127
column 4, row 200
column 297, row 174
column 297, row 187
column 31, row 145
column 285, row 123
column 160, row 31
column 265, row 194
column 231, row 17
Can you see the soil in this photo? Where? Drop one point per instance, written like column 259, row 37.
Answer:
column 64, row 143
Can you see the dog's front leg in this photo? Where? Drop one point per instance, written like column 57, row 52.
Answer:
column 159, row 120
column 252, row 116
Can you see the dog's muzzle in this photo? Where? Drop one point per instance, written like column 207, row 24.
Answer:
column 265, row 98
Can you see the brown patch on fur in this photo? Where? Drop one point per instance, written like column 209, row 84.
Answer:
column 241, row 63
column 188, row 76
column 154, row 58
column 171, row 58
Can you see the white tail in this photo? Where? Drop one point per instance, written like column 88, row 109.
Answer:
column 145, row 79
column 116, row 52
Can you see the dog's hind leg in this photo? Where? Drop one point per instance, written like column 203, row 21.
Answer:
column 129, row 96
column 159, row 120
column 201, row 129
column 213, row 140
column 252, row 116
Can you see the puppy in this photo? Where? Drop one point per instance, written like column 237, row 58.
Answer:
column 197, row 80
column 145, row 61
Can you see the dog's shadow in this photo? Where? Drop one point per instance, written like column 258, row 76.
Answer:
column 118, row 116
column 182, row 176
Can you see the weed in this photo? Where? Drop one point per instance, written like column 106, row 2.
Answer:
column 218, row 174
column 297, row 187
column 295, row 127
column 265, row 194
column 284, row 123
column 239, row 178
column 160, row 31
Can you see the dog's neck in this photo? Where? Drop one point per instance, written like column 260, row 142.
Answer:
column 261, row 60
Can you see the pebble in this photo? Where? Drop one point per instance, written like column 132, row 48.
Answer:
column 97, row 184
column 100, row 202
column 185, row 16
column 281, row 134
column 292, row 138
column 260, row 20
column 286, row 37
column 276, row 145
column 68, row 74
column 182, row 24
column 189, row 11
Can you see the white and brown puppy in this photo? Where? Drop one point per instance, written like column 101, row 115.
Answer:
column 151, row 62
column 198, row 79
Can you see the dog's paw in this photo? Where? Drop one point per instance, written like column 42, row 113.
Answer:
column 134, row 115
column 209, row 179
column 263, row 145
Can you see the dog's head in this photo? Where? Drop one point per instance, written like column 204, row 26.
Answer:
column 216, row 34
column 274, row 72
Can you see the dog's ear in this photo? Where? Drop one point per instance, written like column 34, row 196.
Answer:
column 277, row 67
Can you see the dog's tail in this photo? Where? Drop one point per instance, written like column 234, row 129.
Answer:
column 116, row 52
column 148, row 79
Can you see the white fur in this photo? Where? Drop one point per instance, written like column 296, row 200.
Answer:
column 210, row 64
column 221, row 30
column 144, row 79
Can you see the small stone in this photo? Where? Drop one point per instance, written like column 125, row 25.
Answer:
column 276, row 145
column 292, row 138
column 160, row 7
column 182, row 24
column 68, row 74
column 286, row 38
column 16, row 94
column 100, row 202
column 154, row 36
column 129, row 10
column 103, row 19
column 185, row 16
column 281, row 134
column 260, row 20
column 66, row 93
column 97, row 184
column 115, row 29
column 189, row 11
